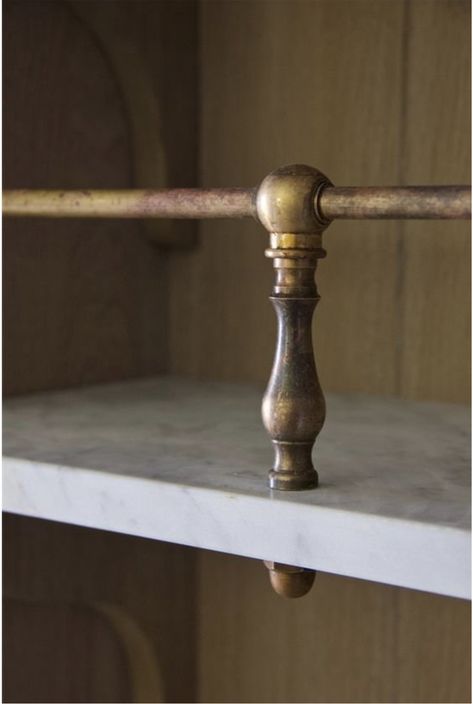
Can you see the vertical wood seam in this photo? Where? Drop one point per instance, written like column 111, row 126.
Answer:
column 402, row 165
column 400, row 290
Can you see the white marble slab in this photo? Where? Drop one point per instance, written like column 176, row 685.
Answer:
column 185, row 461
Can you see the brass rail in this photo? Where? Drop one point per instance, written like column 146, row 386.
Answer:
column 349, row 203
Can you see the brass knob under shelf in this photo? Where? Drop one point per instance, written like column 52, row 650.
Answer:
column 288, row 581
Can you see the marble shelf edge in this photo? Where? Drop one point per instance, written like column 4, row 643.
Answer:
column 400, row 552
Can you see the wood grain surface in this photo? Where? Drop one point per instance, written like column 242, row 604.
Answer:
column 347, row 641
column 40, row 634
column 372, row 93
column 152, row 582
column 435, row 301
column 85, row 302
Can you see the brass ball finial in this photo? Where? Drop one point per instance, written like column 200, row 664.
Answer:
column 288, row 581
column 286, row 200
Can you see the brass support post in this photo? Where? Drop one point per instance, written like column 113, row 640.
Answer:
column 293, row 406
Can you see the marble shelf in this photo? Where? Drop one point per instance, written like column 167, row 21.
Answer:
column 186, row 461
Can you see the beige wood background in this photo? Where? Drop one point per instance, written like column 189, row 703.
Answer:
column 85, row 302
column 346, row 641
column 71, row 572
column 66, row 628
column 370, row 92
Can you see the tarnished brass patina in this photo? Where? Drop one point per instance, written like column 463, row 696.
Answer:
column 346, row 203
column 293, row 406
column 288, row 581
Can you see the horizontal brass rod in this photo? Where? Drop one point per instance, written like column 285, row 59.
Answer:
column 166, row 203
column 397, row 202
column 353, row 203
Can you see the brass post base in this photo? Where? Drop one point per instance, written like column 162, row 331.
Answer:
column 293, row 469
column 288, row 481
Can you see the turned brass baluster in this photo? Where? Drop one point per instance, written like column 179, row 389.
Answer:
column 293, row 406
